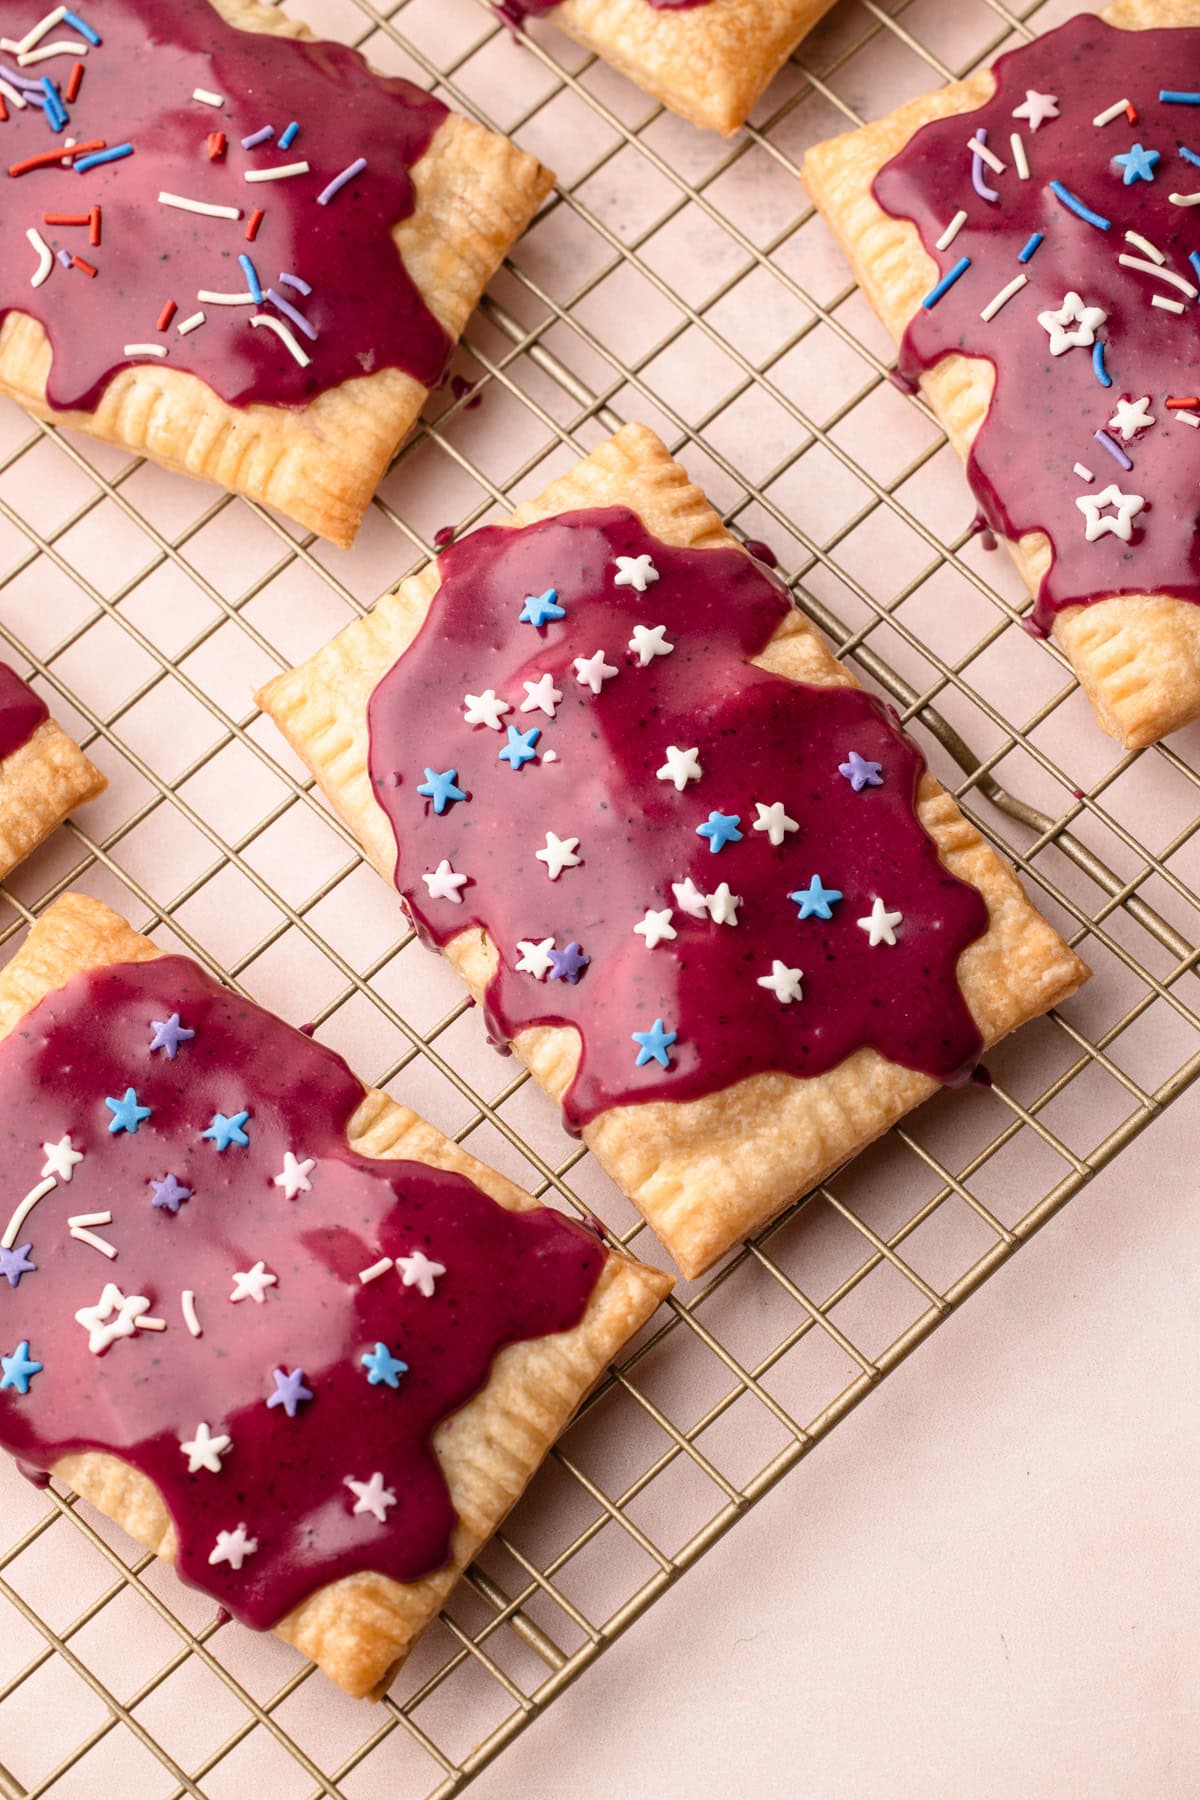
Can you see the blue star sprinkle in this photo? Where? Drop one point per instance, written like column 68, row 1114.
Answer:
column 19, row 1369
column 519, row 749
column 168, row 1035
column 654, row 1045
column 227, row 1130
column 170, row 1194
column 441, row 788
column 720, row 829
column 815, row 901
column 568, row 964
column 860, row 773
column 539, row 609
column 15, row 1263
column 289, row 1390
column 382, row 1367
column 1137, row 163
column 127, row 1115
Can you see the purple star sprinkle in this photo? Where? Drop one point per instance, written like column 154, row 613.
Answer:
column 169, row 1194
column 289, row 1390
column 15, row 1263
column 860, row 773
column 168, row 1035
column 568, row 964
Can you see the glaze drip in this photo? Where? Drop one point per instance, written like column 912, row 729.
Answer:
column 21, row 711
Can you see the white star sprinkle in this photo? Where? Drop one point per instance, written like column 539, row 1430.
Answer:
column 689, row 899
column 293, row 1177
column 722, row 906
column 371, row 1496
column 1120, row 523
column 880, row 924
column 205, row 1451
column 1036, row 108
column 232, row 1547
column 419, row 1272
column 649, row 642
column 783, row 982
column 113, row 1316
column 443, row 883
column 535, row 958
column 61, row 1158
column 559, row 854
column 636, row 572
column 252, row 1284
column 485, row 709
column 541, row 696
column 656, row 928
column 774, row 821
column 592, row 671
column 681, row 766
column 1131, row 417
column 1085, row 321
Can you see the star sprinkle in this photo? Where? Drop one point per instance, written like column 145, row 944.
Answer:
column 485, row 709
column 169, row 1194
column 592, row 671
column 371, row 1496
column 227, row 1129
column 252, row 1284
column 15, row 1263
column 443, row 883
column 559, row 854
column 204, row 1451
column 815, row 901
column 880, row 924
column 656, row 928
column 418, row 1271
column 681, row 766
column 783, row 982
column 534, row 959
column 860, row 773
column 774, row 821
column 722, row 905
column 636, row 572
column 689, row 899
column 113, row 1316
column 520, row 747
column 232, row 1547
column 19, row 1368
column 654, row 1045
column 539, row 609
column 720, row 829
column 61, row 1158
column 382, row 1367
column 1137, row 163
column 1131, row 416
column 541, row 696
column 1073, row 325
column 568, row 964
column 1036, row 108
column 650, row 641
column 293, row 1177
column 441, row 788
column 290, row 1391
column 168, row 1035
column 127, row 1115
column 1119, row 523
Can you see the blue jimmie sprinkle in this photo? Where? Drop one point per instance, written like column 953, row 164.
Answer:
column 1031, row 245
column 289, row 136
column 56, row 112
column 252, row 282
column 1194, row 259
column 1074, row 204
column 1098, row 369
column 947, row 282
column 102, row 156
column 1189, row 156
column 83, row 28
column 1176, row 97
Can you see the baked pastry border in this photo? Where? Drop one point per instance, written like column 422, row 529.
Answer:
column 41, row 782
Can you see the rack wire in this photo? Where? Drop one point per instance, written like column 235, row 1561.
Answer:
column 684, row 281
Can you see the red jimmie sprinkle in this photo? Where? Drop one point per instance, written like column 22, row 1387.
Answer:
column 1176, row 403
column 166, row 315
column 216, row 145
column 3, row 110
column 47, row 158
column 1131, row 112
column 94, row 227
column 256, row 219
column 77, row 262
column 74, row 83
column 66, row 218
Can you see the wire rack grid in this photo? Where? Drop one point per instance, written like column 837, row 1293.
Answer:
column 684, row 281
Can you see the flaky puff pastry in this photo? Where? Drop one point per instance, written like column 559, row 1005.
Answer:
column 321, row 463
column 703, row 1172
column 41, row 782
column 360, row 1628
column 1137, row 656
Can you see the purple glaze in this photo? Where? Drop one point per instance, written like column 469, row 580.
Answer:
column 515, row 12
column 138, row 89
column 760, row 738
column 1046, row 409
column 509, row 1276
column 21, row 711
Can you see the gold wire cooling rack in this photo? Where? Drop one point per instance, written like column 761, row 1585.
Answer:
column 684, row 281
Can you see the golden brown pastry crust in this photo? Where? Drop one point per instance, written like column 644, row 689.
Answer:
column 360, row 1629
column 1137, row 656
column 320, row 464
column 704, row 1172
column 42, row 781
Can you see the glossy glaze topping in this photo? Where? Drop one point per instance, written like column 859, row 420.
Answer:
column 1089, row 265
column 326, row 276
column 517, row 11
column 699, row 865
column 21, row 711
column 204, row 1142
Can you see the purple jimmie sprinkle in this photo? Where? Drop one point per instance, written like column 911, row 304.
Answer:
column 293, row 313
column 977, row 182
column 294, row 281
column 339, row 181
column 1113, row 448
column 19, row 79
column 258, row 137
